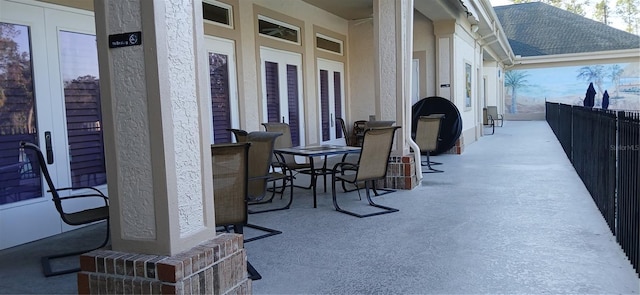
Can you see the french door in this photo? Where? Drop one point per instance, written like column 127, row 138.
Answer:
column 331, row 94
column 49, row 95
column 223, row 90
column 282, row 90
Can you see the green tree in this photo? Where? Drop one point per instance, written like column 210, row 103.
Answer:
column 593, row 74
column 514, row 80
column 575, row 6
column 601, row 12
column 628, row 10
column 614, row 72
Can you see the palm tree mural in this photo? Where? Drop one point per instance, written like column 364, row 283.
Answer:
column 593, row 74
column 515, row 80
column 614, row 72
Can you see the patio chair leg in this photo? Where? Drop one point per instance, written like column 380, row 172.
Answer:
column 491, row 124
column 335, row 202
column 287, row 206
column 46, row 260
column 385, row 190
column 270, row 232
column 429, row 168
column 253, row 273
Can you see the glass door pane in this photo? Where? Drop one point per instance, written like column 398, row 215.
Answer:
column 79, row 70
column 19, row 179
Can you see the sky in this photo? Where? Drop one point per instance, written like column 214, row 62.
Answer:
column 614, row 21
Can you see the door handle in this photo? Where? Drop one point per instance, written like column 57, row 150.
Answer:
column 282, row 119
column 48, row 147
column 332, row 121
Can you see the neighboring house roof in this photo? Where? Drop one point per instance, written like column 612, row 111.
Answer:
column 536, row 28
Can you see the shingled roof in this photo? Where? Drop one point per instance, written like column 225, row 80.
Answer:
column 536, row 28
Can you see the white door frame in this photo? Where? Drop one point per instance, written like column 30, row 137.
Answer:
column 283, row 58
column 331, row 66
column 33, row 219
column 225, row 47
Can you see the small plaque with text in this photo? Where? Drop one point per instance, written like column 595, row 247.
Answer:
column 124, row 40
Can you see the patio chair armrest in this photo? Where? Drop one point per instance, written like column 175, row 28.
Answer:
column 81, row 187
column 342, row 166
column 258, row 177
column 281, row 164
column 105, row 198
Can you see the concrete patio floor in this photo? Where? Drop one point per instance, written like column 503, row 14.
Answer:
column 509, row 215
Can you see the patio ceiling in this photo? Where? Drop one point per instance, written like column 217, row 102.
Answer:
column 360, row 9
column 350, row 10
column 435, row 10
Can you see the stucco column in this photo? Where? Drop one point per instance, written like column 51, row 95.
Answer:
column 445, row 83
column 154, row 104
column 393, row 25
column 393, row 21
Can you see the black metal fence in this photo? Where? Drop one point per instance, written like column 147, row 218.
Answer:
column 628, row 231
column 604, row 148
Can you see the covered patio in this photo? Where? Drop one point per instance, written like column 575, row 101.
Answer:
column 510, row 215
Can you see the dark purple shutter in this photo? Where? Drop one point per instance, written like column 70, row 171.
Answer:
column 324, row 104
column 220, row 98
column 273, row 91
column 337, row 94
column 292, row 94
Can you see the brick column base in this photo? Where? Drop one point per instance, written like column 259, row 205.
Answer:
column 217, row 266
column 401, row 173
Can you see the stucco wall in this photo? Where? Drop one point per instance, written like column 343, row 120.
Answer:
column 361, row 61
column 249, row 78
column 493, row 76
column 424, row 44
column 465, row 53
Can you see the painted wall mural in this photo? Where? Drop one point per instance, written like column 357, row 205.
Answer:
column 527, row 90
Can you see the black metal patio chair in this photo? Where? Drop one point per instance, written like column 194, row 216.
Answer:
column 82, row 217
column 230, row 181
column 371, row 166
column 263, row 169
column 427, row 138
column 284, row 141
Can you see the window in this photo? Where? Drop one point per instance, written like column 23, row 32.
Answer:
column 277, row 29
column 217, row 13
column 328, row 44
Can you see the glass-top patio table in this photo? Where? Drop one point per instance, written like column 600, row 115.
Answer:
column 318, row 151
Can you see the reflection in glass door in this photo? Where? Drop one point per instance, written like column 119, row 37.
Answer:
column 49, row 87
column 79, row 70
column 19, row 180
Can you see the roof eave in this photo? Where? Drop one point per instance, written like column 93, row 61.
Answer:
column 580, row 58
